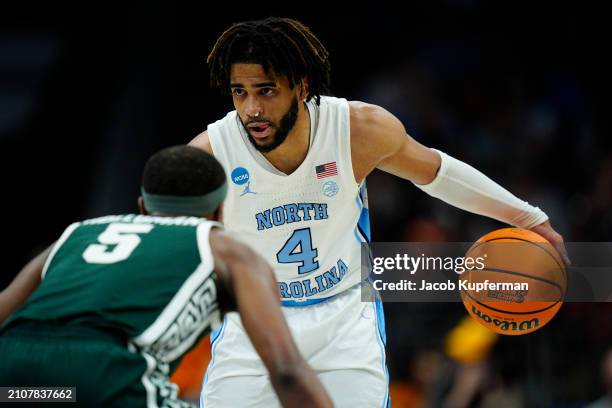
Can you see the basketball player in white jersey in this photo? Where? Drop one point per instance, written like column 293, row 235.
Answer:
column 297, row 162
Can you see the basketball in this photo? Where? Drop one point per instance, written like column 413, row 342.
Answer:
column 520, row 282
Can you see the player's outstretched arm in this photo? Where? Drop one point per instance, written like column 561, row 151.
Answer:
column 18, row 291
column 379, row 140
column 248, row 277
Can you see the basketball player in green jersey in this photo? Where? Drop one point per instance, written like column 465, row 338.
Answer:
column 118, row 300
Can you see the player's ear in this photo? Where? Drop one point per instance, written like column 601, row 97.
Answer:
column 303, row 89
column 141, row 206
column 218, row 213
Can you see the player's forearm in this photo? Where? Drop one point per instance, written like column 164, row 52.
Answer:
column 14, row 296
column 462, row 186
column 258, row 301
column 5, row 307
column 18, row 291
column 297, row 386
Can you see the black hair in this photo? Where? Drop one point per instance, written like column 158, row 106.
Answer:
column 281, row 45
column 182, row 171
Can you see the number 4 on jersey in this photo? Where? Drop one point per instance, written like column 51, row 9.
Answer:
column 306, row 255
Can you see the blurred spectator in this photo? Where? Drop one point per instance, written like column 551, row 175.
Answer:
column 606, row 376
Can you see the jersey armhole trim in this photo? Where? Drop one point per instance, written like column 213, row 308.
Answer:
column 213, row 133
column 202, row 238
column 348, row 150
column 67, row 232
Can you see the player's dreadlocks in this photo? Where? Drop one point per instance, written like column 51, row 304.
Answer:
column 282, row 45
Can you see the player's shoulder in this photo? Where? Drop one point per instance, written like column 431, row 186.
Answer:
column 202, row 141
column 364, row 113
column 368, row 120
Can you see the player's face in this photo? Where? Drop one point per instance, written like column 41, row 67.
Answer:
column 267, row 106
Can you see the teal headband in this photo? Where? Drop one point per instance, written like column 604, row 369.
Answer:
column 185, row 205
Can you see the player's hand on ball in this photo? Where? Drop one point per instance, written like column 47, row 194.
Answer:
column 547, row 231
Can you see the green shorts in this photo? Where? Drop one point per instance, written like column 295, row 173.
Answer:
column 101, row 367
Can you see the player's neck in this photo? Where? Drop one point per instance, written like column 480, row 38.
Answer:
column 291, row 153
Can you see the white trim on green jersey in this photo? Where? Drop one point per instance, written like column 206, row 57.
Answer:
column 57, row 246
column 202, row 234
column 192, row 320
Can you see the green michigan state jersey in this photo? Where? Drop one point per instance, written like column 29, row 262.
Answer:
column 149, row 279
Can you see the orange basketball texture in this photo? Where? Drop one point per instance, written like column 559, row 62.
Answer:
column 514, row 255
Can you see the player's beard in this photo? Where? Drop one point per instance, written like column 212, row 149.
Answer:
column 285, row 126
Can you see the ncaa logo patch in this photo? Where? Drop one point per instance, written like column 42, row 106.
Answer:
column 240, row 176
column 330, row 189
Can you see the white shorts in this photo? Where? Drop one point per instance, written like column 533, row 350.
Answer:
column 342, row 339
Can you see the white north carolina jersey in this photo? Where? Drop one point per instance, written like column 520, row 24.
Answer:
column 309, row 225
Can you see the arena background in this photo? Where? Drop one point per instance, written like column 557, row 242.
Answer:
column 516, row 89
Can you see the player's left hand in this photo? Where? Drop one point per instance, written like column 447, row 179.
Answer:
column 547, row 231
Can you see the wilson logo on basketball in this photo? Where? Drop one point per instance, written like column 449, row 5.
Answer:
column 504, row 325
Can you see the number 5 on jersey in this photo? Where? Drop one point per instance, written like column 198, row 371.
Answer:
column 306, row 255
column 123, row 236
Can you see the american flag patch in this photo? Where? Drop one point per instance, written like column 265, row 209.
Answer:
column 326, row 170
